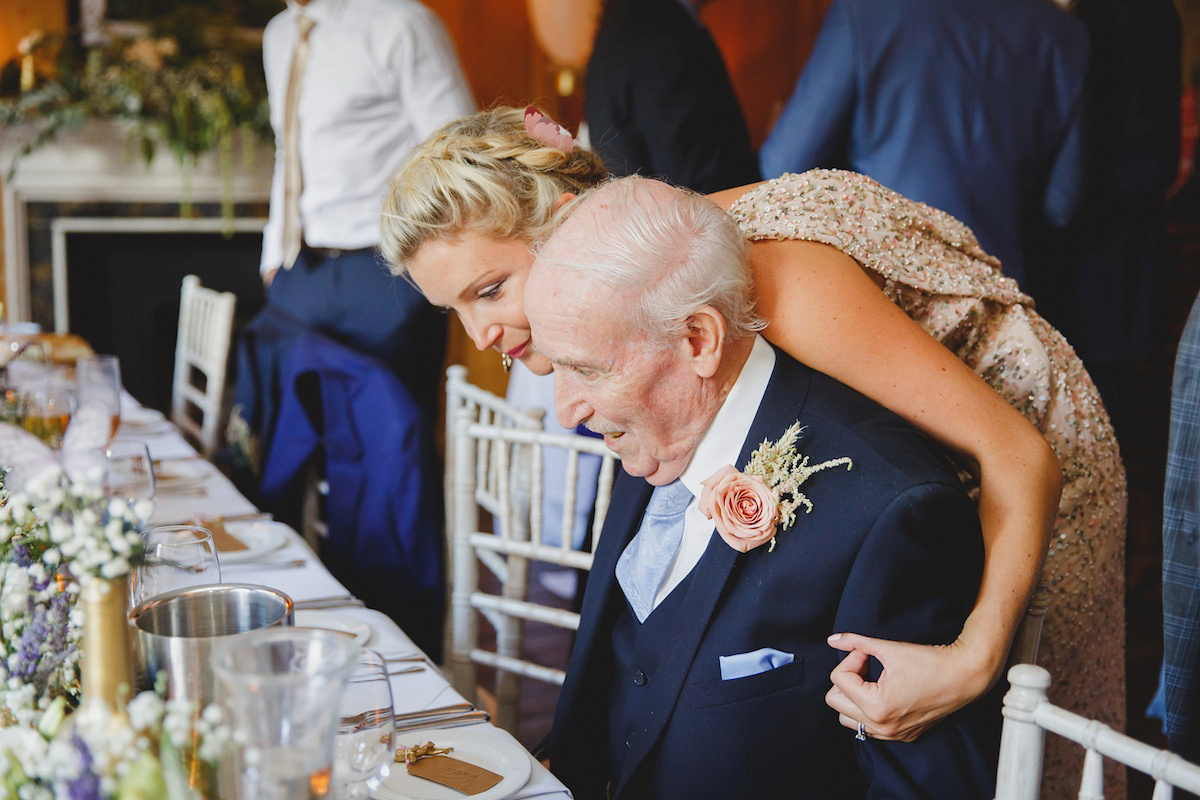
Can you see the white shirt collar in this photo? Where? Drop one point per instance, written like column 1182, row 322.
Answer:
column 317, row 10
column 722, row 442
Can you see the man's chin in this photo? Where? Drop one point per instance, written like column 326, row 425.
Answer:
column 656, row 474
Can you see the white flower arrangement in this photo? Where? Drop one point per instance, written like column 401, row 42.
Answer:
column 56, row 536
column 95, row 759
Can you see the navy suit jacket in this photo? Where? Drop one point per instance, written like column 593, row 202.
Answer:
column 971, row 106
column 659, row 100
column 891, row 548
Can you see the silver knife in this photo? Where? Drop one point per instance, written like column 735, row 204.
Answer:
column 452, row 721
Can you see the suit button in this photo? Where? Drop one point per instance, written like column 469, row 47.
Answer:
column 639, row 677
column 629, row 740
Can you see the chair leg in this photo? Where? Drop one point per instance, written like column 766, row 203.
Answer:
column 1029, row 633
column 1019, row 774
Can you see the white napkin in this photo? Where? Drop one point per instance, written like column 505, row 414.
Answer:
column 25, row 456
column 89, row 428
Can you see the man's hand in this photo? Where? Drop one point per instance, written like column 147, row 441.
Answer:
column 920, row 685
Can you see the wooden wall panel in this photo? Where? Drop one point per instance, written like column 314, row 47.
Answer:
column 19, row 17
column 765, row 44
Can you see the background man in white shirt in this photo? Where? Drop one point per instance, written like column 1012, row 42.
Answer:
column 367, row 80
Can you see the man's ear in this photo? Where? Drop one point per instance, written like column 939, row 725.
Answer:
column 706, row 340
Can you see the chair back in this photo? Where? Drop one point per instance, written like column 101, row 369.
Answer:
column 1028, row 714
column 496, row 490
column 201, row 360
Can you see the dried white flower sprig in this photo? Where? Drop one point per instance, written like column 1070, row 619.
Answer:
column 784, row 470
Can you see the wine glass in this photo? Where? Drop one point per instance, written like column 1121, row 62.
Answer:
column 131, row 476
column 362, row 755
column 46, row 411
column 98, row 379
column 177, row 556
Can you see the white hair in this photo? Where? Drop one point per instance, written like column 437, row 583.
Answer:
column 670, row 249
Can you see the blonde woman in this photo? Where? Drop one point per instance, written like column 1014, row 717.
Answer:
column 891, row 297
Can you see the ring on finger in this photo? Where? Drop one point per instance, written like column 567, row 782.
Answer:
column 862, row 732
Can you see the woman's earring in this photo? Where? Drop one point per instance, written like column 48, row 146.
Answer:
column 506, row 361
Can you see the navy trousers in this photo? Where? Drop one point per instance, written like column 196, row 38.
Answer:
column 352, row 298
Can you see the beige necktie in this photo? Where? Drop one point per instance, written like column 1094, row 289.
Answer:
column 292, row 179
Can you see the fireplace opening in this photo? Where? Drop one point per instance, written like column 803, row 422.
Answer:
column 123, row 295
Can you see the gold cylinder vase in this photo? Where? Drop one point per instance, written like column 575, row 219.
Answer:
column 107, row 677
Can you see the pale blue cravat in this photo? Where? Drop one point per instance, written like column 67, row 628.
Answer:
column 648, row 557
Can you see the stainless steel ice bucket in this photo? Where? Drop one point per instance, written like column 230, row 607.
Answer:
column 174, row 633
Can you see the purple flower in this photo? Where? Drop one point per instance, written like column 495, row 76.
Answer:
column 21, row 555
column 56, row 625
column 29, row 646
column 86, row 785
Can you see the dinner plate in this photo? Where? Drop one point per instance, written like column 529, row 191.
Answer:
column 331, row 621
column 142, row 420
column 490, row 750
column 180, row 474
column 260, row 536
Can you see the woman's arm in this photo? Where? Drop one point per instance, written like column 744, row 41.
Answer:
column 827, row 312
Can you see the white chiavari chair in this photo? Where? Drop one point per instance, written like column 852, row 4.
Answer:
column 201, row 360
column 497, row 479
column 1028, row 715
column 481, row 406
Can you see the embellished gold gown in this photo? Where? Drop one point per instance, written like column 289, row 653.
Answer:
column 935, row 270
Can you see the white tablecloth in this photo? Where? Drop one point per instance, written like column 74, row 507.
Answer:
column 411, row 692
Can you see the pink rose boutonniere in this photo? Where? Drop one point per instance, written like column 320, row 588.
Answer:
column 749, row 508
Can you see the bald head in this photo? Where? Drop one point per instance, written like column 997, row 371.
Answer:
column 661, row 252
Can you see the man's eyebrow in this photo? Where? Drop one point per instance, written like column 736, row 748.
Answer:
column 573, row 364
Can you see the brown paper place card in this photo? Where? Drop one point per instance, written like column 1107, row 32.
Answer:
column 223, row 540
column 466, row 778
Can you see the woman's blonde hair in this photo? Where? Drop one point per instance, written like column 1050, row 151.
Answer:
column 482, row 173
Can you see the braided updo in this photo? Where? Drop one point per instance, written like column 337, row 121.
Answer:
column 482, row 173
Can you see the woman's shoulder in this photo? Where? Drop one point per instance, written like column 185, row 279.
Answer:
column 815, row 189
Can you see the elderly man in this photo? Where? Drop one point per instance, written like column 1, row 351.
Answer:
column 700, row 667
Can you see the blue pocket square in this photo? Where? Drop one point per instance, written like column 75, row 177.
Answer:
column 743, row 665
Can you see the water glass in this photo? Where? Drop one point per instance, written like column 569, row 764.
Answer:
column 362, row 755
column 98, row 380
column 177, row 557
column 282, row 690
column 131, row 476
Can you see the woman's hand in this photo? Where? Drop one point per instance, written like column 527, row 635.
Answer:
column 920, row 685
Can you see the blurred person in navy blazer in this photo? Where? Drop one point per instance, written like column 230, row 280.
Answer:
column 708, row 680
column 659, row 101
column 972, row 106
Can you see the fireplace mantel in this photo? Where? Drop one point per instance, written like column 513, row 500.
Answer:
column 96, row 164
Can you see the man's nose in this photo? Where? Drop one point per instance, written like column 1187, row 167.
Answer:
column 569, row 403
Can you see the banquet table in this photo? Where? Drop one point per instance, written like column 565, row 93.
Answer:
column 212, row 494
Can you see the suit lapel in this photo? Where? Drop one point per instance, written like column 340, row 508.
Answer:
column 783, row 399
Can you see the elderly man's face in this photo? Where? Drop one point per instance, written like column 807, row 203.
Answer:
column 642, row 398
